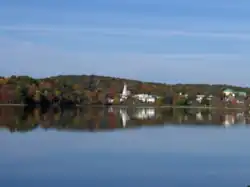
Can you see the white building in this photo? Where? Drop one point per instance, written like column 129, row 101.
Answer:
column 125, row 93
column 199, row 98
column 110, row 100
column 229, row 92
column 184, row 95
column 146, row 98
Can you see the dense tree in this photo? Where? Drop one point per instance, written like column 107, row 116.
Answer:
column 92, row 90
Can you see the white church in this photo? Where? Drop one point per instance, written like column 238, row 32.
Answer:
column 125, row 93
column 145, row 98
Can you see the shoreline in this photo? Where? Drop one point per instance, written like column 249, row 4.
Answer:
column 176, row 107
column 19, row 105
column 144, row 106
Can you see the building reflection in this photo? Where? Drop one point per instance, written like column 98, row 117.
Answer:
column 144, row 113
column 199, row 116
column 229, row 120
column 97, row 119
column 124, row 116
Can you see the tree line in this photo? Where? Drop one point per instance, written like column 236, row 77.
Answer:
column 92, row 89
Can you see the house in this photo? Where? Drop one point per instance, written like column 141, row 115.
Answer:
column 146, row 98
column 199, row 98
column 241, row 94
column 234, row 97
column 183, row 95
column 109, row 100
column 229, row 92
column 210, row 97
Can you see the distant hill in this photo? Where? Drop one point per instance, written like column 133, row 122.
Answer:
column 93, row 88
column 136, row 86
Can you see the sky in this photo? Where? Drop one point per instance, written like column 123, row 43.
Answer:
column 179, row 41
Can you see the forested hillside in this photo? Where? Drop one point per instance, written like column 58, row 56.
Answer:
column 92, row 89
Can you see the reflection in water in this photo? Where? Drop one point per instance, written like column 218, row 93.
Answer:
column 18, row 119
column 229, row 120
column 124, row 116
column 144, row 113
column 199, row 116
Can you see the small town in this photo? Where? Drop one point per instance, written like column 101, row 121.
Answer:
column 96, row 90
column 144, row 93
column 63, row 91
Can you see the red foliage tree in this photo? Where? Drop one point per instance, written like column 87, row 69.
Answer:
column 7, row 93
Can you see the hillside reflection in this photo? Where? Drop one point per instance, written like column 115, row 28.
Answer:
column 17, row 119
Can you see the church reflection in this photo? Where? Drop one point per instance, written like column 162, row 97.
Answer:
column 111, row 118
column 124, row 116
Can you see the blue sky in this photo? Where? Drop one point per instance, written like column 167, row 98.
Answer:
column 188, row 41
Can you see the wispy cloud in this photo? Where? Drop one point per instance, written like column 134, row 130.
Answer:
column 20, row 57
column 126, row 31
column 9, row 45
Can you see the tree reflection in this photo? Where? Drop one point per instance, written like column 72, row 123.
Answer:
column 17, row 119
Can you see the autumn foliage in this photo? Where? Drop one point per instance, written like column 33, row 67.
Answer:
column 92, row 89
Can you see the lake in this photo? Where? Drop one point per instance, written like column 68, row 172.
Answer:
column 123, row 147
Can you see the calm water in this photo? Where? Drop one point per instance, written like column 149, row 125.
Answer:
column 124, row 147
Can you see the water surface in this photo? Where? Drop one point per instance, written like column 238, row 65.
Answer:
column 124, row 147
